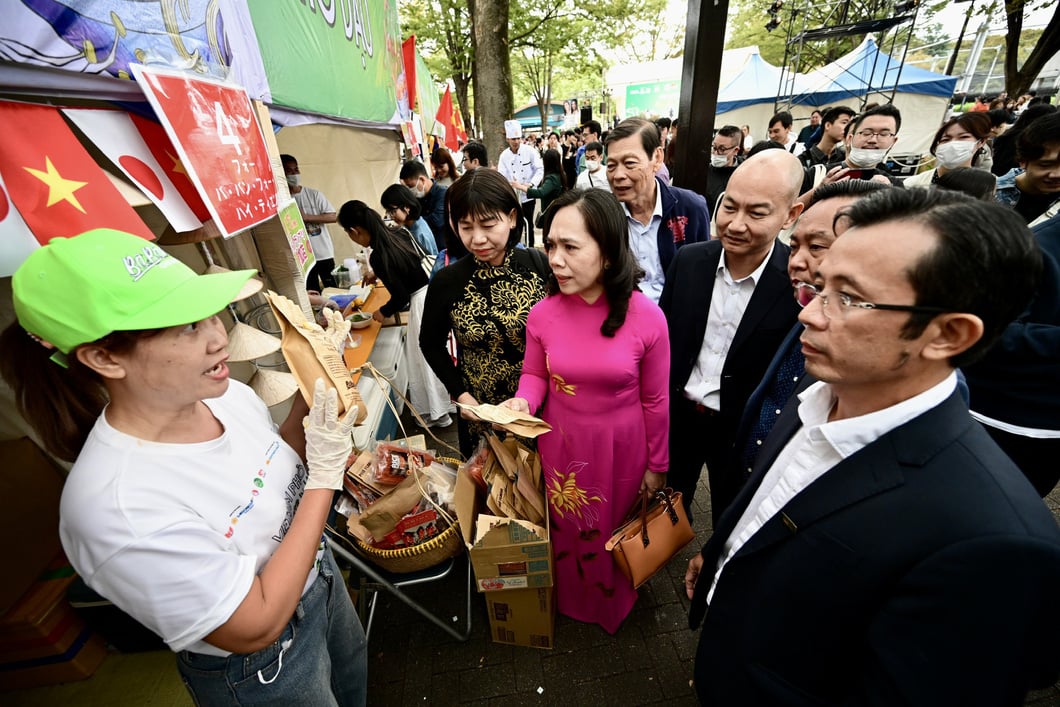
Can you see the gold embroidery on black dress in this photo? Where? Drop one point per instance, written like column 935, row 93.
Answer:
column 489, row 322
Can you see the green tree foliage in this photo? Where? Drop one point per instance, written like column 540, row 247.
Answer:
column 443, row 37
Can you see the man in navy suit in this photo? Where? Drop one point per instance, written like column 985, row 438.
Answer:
column 885, row 551
column 728, row 305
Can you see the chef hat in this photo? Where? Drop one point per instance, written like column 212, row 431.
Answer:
column 512, row 128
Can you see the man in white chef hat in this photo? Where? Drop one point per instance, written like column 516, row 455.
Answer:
column 521, row 164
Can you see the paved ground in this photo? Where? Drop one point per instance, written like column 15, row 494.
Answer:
column 649, row 660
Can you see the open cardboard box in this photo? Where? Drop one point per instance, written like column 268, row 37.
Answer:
column 512, row 554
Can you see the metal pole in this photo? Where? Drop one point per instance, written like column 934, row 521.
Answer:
column 990, row 74
column 960, row 38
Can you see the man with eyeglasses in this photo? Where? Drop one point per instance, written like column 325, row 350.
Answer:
column 725, row 154
column 869, row 138
column 885, row 550
column 475, row 156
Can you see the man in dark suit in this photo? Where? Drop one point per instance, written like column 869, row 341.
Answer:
column 885, row 551
column 661, row 218
column 728, row 304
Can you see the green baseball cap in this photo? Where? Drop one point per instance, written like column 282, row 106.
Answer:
column 77, row 290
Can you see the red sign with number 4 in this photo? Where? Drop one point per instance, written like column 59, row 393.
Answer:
column 215, row 129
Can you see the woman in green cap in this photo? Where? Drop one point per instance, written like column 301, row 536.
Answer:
column 186, row 506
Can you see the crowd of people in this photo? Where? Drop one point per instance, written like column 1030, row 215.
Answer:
column 867, row 366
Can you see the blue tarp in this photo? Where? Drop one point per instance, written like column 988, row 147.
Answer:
column 868, row 69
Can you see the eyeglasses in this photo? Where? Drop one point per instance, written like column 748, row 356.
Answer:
column 391, row 210
column 884, row 134
column 805, row 293
column 721, row 149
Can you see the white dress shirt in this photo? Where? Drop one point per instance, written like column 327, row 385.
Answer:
column 644, row 240
column 815, row 448
column 727, row 306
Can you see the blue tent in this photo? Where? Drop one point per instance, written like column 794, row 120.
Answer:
column 868, row 70
column 757, row 82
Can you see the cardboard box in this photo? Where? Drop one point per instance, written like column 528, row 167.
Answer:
column 30, row 485
column 512, row 555
column 522, row 617
column 42, row 622
column 79, row 662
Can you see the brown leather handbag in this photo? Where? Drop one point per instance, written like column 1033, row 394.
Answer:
column 645, row 543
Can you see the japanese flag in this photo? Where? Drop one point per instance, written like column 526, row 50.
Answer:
column 114, row 133
column 16, row 240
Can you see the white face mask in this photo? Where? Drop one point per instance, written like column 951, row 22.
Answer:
column 592, row 165
column 719, row 161
column 956, row 153
column 294, row 180
column 865, row 158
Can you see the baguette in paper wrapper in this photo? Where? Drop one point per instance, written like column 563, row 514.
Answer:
column 311, row 355
column 520, row 423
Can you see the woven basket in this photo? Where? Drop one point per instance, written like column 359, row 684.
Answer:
column 447, row 544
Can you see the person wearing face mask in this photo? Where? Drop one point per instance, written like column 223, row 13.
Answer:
column 431, row 195
column 593, row 177
column 316, row 211
column 870, row 136
column 725, row 154
column 957, row 144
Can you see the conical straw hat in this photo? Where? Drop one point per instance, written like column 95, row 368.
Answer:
column 252, row 286
column 273, row 386
column 245, row 343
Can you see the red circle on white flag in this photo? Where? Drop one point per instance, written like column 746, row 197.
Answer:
column 5, row 204
column 144, row 175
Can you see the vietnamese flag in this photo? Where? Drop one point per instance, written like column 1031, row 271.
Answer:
column 408, row 55
column 162, row 148
column 114, row 134
column 53, row 182
column 450, row 118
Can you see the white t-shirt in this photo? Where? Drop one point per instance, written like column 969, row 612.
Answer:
column 593, row 180
column 174, row 534
column 312, row 203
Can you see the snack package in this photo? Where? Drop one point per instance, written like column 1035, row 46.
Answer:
column 393, row 462
column 311, row 354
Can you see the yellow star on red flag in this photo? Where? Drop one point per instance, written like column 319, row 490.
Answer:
column 59, row 189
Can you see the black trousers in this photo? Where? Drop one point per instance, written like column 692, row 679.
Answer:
column 1036, row 458
column 700, row 436
column 322, row 271
column 528, row 215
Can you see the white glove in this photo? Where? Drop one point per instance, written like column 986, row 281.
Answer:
column 336, row 329
column 328, row 440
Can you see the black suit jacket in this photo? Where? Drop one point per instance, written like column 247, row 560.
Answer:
column 769, row 316
column 923, row 569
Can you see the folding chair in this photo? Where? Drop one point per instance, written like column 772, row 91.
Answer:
column 393, row 582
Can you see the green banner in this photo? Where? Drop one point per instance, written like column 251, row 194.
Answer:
column 427, row 92
column 658, row 98
column 334, row 57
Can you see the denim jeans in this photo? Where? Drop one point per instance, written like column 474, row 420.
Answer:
column 319, row 659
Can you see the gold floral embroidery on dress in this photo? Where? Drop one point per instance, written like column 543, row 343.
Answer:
column 561, row 385
column 568, row 499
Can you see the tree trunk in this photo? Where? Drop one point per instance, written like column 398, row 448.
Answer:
column 493, row 75
column 462, row 83
column 1018, row 81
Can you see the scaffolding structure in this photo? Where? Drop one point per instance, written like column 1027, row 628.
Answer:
column 891, row 20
